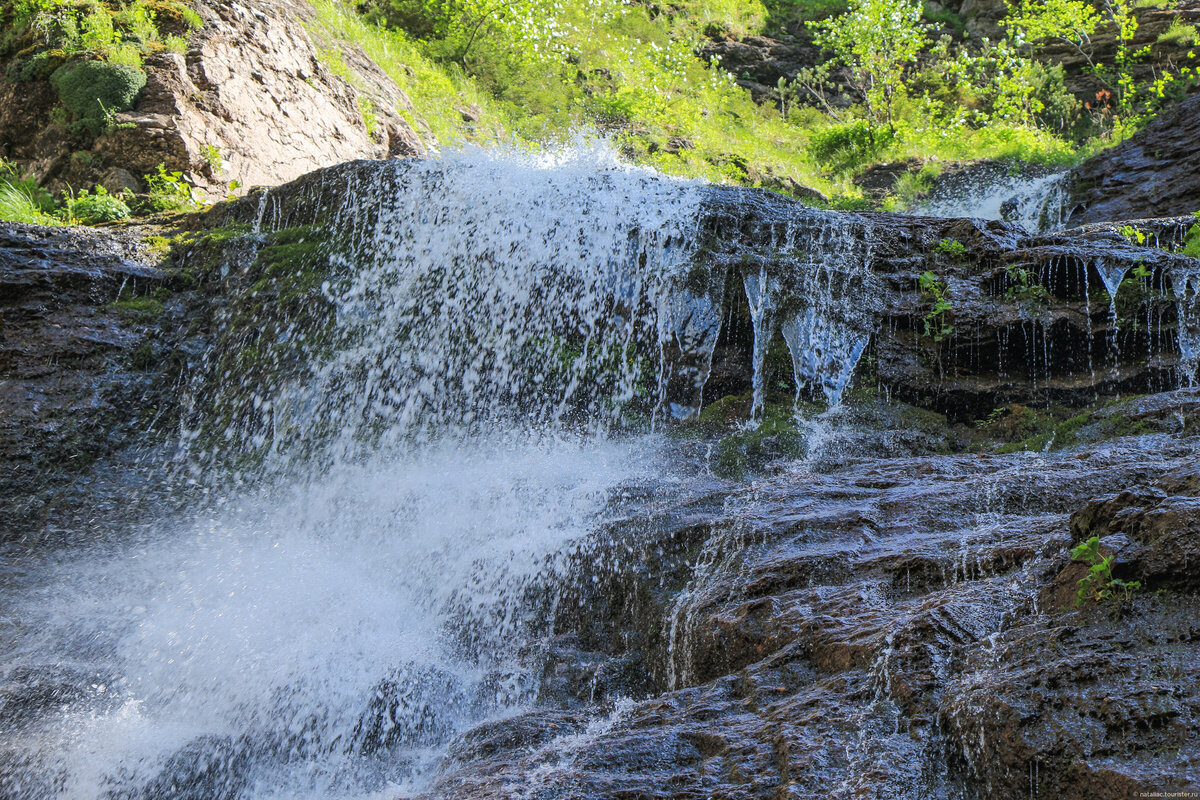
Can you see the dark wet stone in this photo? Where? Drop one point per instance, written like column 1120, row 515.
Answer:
column 1155, row 173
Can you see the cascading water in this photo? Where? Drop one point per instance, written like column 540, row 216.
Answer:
column 1038, row 204
column 367, row 593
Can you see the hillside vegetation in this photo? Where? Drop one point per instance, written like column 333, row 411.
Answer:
column 888, row 80
column 896, row 81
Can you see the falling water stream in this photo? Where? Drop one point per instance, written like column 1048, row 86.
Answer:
column 510, row 334
column 1038, row 204
column 326, row 628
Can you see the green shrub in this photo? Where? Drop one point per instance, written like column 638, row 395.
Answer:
column 952, row 248
column 1191, row 242
column 96, row 207
column 850, row 143
column 93, row 90
column 170, row 191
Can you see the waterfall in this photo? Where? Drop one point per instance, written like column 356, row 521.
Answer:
column 504, row 336
column 1037, row 204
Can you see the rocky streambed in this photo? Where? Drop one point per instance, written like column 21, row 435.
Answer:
column 816, row 542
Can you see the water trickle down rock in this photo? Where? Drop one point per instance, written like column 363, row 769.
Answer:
column 809, row 286
column 759, row 296
column 1039, row 204
column 689, row 325
column 1187, row 302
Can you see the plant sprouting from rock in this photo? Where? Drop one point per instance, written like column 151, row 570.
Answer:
column 952, row 248
column 170, row 191
column 1099, row 585
column 937, row 324
column 1023, row 285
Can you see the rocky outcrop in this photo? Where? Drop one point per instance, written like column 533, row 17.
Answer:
column 891, row 617
column 869, row 631
column 79, row 354
column 1030, row 320
column 251, row 100
column 1156, row 173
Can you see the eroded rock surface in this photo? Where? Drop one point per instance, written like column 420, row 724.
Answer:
column 1156, row 173
column 885, row 630
column 76, row 366
column 252, row 87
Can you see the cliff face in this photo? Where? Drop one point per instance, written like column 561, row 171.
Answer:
column 1156, row 173
column 250, row 100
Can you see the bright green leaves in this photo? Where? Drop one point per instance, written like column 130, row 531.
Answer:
column 1099, row 585
column 1030, row 21
column 936, row 292
column 878, row 41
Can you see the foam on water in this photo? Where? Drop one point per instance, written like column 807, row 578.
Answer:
column 1036, row 204
column 380, row 610
column 328, row 630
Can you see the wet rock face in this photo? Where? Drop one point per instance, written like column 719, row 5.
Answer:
column 251, row 85
column 67, row 379
column 1156, row 173
column 1029, row 318
column 875, row 631
column 94, row 340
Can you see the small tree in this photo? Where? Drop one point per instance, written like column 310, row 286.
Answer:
column 876, row 40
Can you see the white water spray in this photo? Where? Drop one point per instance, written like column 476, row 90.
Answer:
column 328, row 631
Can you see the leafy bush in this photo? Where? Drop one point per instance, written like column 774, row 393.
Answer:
column 94, row 90
column 96, row 207
column 877, row 41
column 170, row 191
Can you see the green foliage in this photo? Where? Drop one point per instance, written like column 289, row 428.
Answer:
column 119, row 33
column 94, row 90
column 18, row 203
column 1099, row 585
column 1023, row 286
column 170, row 191
column 370, row 119
column 213, row 158
column 1071, row 21
column 537, row 71
column 877, row 41
column 1132, row 234
column 1180, row 34
column 951, row 248
column 1191, row 242
column 144, row 307
column 911, row 187
column 849, row 144
column 93, row 208
column 775, row 436
column 22, row 200
column 936, row 322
